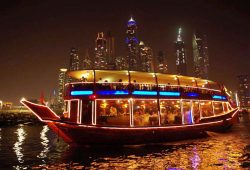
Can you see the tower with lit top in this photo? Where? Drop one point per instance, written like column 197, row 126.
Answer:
column 61, row 84
column 200, row 55
column 132, row 44
column 181, row 61
column 74, row 60
column 100, row 52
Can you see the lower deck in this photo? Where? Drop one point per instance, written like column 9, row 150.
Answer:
column 128, row 112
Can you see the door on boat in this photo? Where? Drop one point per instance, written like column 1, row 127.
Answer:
column 73, row 110
column 86, row 112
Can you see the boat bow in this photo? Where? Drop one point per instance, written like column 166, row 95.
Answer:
column 44, row 113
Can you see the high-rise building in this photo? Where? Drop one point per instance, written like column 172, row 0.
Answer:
column 74, row 60
column 145, row 58
column 101, row 52
column 132, row 44
column 121, row 63
column 61, row 85
column 200, row 54
column 161, row 63
column 110, row 51
column 181, row 60
column 86, row 63
column 243, row 91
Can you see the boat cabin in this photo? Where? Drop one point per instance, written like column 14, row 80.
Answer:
column 125, row 98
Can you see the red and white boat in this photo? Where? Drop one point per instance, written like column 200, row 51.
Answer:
column 130, row 107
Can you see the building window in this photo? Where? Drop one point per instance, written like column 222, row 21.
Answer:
column 206, row 109
column 145, row 113
column 112, row 112
column 170, row 112
column 218, row 108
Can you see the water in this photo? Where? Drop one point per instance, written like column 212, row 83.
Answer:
column 37, row 147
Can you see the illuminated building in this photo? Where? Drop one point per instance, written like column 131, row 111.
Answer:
column 132, row 44
column 243, row 91
column 200, row 54
column 146, row 57
column 161, row 63
column 86, row 63
column 101, row 52
column 61, row 83
column 110, row 51
column 121, row 63
column 181, row 61
column 74, row 60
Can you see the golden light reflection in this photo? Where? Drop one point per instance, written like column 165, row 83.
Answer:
column 44, row 142
column 21, row 134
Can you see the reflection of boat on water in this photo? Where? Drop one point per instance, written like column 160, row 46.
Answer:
column 129, row 107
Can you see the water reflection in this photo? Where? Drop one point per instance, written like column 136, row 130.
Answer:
column 44, row 142
column 230, row 150
column 21, row 134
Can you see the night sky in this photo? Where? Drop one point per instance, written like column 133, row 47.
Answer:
column 36, row 37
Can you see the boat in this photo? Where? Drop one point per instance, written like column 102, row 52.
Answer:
column 107, row 107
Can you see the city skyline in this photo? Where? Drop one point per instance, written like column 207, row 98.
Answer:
column 40, row 51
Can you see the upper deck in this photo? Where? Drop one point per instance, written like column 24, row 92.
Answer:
column 124, row 83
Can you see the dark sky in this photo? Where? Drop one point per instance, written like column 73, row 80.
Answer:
column 36, row 36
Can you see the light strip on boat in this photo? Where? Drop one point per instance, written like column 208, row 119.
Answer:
column 80, row 93
column 219, row 97
column 112, row 92
column 145, row 93
column 192, row 94
column 169, row 93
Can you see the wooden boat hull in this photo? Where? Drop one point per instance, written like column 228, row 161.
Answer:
column 78, row 134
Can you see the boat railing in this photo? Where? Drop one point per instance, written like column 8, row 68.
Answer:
column 139, row 86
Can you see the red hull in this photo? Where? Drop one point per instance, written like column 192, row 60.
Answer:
column 77, row 134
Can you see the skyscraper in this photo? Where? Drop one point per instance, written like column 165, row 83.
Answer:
column 86, row 63
column 181, row 61
column 146, row 57
column 74, row 60
column 110, row 51
column 200, row 54
column 61, row 83
column 132, row 44
column 243, row 91
column 161, row 63
column 101, row 52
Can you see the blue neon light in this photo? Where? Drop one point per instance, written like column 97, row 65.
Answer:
column 81, row 93
column 219, row 97
column 112, row 92
column 192, row 94
column 169, row 93
column 145, row 93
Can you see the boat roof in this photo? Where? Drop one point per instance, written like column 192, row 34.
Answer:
column 113, row 76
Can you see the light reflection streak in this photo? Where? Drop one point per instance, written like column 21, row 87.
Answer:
column 195, row 159
column 44, row 142
column 21, row 134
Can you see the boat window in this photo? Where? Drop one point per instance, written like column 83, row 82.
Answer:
column 112, row 112
column 187, row 81
column 66, row 109
column 167, row 82
column 206, row 108
column 73, row 110
column 143, row 80
column 196, row 111
column 82, row 75
column 170, row 112
column 186, row 111
column 111, row 80
column 145, row 113
column 218, row 108
column 225, row 107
